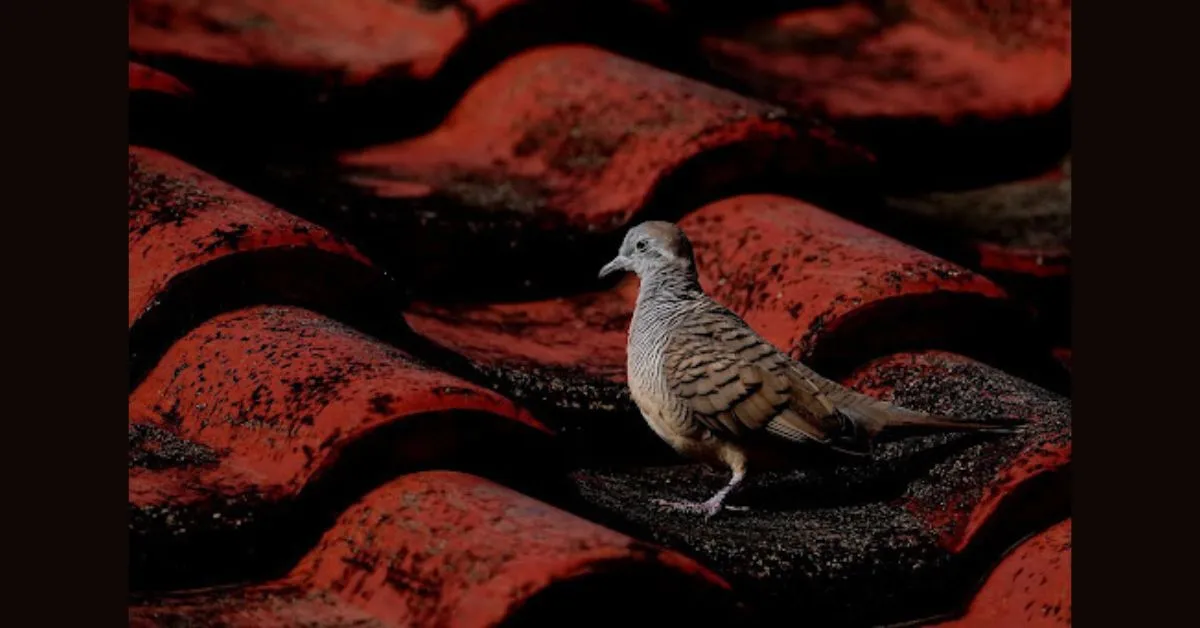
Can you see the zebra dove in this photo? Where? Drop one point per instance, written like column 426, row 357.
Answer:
column 716, row 391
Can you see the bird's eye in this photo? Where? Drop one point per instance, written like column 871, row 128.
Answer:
column 641, row 246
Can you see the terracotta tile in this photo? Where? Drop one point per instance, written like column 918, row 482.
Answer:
column 945, row 59
column 896, row 539
column 143, row 78
column 945, row 93
column 198, row 246
column 1017, row 233
column 289, row 406
column 161, row 109
column 249, row 606
column 995, row 486
column 271, row 412
column 549, row 153
column 827, row 290
column 563, row 357
column 1031, row 587
column 443, row 548
column 357, row 39
column 364, row 69
column 807, row 279
column 1021, row 228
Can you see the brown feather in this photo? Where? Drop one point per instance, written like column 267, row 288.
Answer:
column 735, row 383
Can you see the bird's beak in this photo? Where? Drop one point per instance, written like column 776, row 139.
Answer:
column 618, row 263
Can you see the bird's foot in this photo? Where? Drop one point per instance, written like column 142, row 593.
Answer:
column 708, row 508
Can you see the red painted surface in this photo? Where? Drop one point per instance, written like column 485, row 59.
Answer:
column 472, row 551
column 1015, row 228
column 574, row 136
column 999, row 479
column 284, row 421
column 181, row 219
column 142, row 78
column 911, row 528
column 246, row 606
column 355, row 40
column 1031, row 587
column 909, row 58
column 443, row 548
column 281, row 392
column 587, row 333
column 797, row 273
column 816, row 285
column 809, row 257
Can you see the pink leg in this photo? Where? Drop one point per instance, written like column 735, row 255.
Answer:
column 713, row 505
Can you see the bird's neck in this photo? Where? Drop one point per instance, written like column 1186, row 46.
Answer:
column 665, row 290
column 665, row 296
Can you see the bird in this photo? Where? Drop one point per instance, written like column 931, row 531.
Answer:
column 717, row 392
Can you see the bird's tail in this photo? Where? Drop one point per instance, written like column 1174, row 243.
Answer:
column 901, row 422
column 883, row 420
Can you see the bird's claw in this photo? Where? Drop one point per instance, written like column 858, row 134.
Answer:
column 709, row 508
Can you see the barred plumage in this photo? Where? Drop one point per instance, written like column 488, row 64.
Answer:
column 715, row 390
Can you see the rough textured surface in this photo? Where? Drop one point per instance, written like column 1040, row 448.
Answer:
column 346, row 44
column 351, row 71
column 449, row 549
column 181, row 218
column 1018, row 233
column 1022, row 227
column 198, row 246
column 546, row 156
column 272, row 412
column 363, row 247
column 907, row 58
column 563, row 358
column 356, row 42
column 905, row 529
column 1032, row 587
column 961, row 500
column 768, row 258
column 834, row 293
column 985, row 85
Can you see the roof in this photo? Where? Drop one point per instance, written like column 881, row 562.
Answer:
column 376, row 382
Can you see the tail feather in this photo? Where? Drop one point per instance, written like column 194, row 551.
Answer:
column 874, row 417
column 913, row 423
column 881, row 419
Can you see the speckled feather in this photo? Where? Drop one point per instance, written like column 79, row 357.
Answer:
column 707, row 383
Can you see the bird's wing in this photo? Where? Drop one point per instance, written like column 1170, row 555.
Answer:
column 737, row 384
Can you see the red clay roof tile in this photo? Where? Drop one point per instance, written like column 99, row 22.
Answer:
column 569, row 141
column 798, row 274
column 996, row 487
column 916, row 58
column 443, row 548
column 181, row 218
column 381, row 56
column 198, row 246
column 143, row 78
column 246, row 606
column 599, row 132
column 823, row 288
column 357, row 39
column 281, row 405
column 1031, row 587
column 876, row 543
column 1022, row 227
column 287, row 402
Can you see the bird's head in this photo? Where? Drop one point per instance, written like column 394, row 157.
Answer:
column 651, row 247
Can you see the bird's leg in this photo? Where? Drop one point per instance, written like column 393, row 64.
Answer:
column 714, row 504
